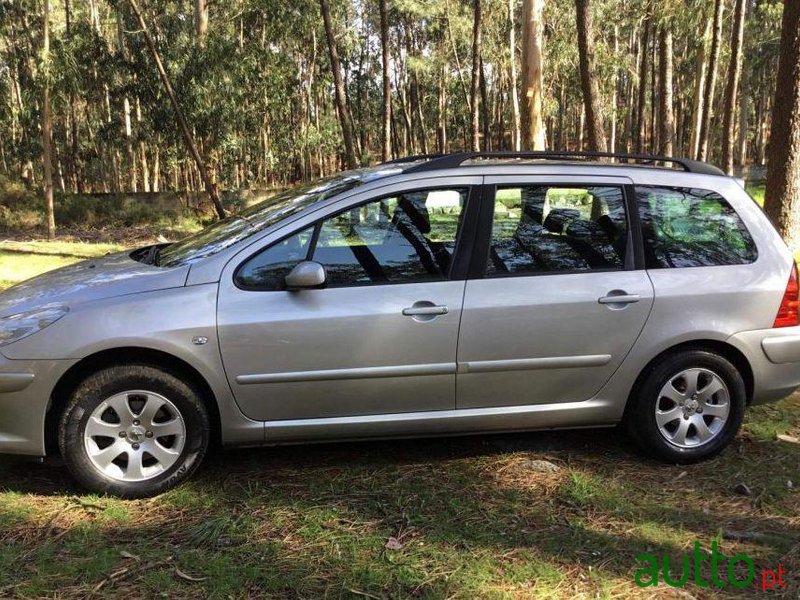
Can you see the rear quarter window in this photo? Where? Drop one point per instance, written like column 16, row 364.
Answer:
column 689, row 227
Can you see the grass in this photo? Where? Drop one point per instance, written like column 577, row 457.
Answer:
column 462, row 517
column 756, row 191
column 22, row 260
column 456, row 517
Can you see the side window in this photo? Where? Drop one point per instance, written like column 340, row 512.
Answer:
column 267, row 270
column 685, row 227
column 407, row 237
column 549, row 229
column 403, row 238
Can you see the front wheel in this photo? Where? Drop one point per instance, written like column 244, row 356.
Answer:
column 687, row 407
column 133, row 431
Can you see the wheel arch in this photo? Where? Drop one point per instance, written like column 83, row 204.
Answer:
column 724, row 349
column 93, row 363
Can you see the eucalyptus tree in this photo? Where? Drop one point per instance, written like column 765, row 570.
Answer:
column 732, row 86
column 342, row 105
column 255, row 83
column 711, row 81
column 782, row 201
column 589, row 85
column 47, row 123
column 533, row 135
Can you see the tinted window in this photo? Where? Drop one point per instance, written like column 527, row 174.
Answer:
column 547, row 229
column 408, row 237
column 685, row 227
column 402, row 238
column 268, row 269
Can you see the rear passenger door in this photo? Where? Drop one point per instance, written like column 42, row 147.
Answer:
column 556, row 297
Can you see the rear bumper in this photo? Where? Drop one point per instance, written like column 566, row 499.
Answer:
column 774, row 356
column 25, row 389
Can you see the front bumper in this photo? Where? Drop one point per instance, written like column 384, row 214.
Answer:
column 25, row 390
column 774, row 356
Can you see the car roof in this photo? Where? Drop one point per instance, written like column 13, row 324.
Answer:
column 618, row 161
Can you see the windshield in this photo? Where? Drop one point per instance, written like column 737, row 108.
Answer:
column 228, row 231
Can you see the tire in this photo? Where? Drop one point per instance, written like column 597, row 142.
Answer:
column 665, row 419
column 133, row 431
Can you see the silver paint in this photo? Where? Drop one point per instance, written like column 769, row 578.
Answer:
column 509, row 353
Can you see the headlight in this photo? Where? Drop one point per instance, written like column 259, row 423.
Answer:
column 21, row 325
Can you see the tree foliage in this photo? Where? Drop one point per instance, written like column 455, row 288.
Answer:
column 259, row 94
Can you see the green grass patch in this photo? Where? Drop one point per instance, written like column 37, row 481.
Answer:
column 16, row 267
column 20, row 261
column 61, row 248
column 756, row 190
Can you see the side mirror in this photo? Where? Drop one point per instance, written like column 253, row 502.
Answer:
column 307, row 275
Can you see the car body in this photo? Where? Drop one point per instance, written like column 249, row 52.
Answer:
column 496, row 341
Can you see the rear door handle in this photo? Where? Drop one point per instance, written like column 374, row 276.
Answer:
column 619, row 297
column 425, row 311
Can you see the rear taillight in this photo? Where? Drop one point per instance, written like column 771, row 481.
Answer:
column 788, row 312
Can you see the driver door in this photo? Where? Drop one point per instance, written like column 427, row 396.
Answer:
column 380, row 338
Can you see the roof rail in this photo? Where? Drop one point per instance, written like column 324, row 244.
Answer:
column 438, row 162
column 413, row 158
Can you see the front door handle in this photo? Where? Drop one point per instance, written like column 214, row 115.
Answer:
column 427, row 310
column 619, row 297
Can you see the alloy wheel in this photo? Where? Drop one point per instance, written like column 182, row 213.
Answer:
column 692, row 408
column 134, row 436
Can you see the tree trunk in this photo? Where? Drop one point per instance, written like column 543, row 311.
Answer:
column 516, row 131
column 485, row 112
column 156, row 186
column 641, row 105
column 126, row 107
column 782, row 200
column 612, row 140
column 708, row 96
column 94, row 16
column 74, row 167
column 591, row 90
column 476, row 76
column 441, row 130
column 47, row 126
column 341, row 97
column 653, row 132
column 562, row 112
column 145, row 167
column 701, row 74
column 187, row 134
column 201, row 21
column 666, row 108
column 744, row 121
column 455, row 55
column 386, row 134
column 732, row 88
column 532, row 28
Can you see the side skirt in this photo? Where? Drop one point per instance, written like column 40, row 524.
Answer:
column 591, row 413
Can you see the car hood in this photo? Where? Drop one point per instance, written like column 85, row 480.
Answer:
column 94, row 279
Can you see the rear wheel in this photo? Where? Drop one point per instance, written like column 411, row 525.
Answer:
column 687, row 407
column 133, row 431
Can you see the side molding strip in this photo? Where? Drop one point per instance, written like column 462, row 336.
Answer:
column 359, row 373
column 484, row 366
column 524, row 364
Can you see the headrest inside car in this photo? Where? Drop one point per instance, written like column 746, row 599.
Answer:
column 413, row 209
column 558, row 218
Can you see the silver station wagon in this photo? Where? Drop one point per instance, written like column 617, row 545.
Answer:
column 433, row 295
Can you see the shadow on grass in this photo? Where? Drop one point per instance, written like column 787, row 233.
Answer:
column 469, row 514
